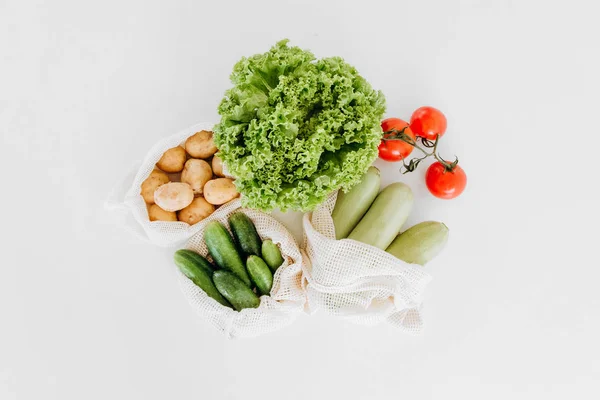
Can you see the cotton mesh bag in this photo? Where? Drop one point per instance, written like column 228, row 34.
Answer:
column 129, row 206
column 357, row 281
column 276, row 311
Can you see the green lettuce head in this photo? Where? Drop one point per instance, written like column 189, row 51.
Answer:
column 294, row 129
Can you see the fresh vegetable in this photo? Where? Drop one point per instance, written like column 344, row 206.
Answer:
column 271, row 255
column 428, row 122
column 385, row 217
column 157, row 178
column 420, row 243
column 199, row 271
column 395, row 150
column 172, row 160
column 350, row 207
column 260, row 274
column 245, row 234
column 220, row 191
column 155, row 213
column 445, row 183
column 196, row 173
column 201, row 145
column 235, row 291
column 222, row 249
column 294, row 129
column 174, row 196
column 217, row 166
column 198, row 209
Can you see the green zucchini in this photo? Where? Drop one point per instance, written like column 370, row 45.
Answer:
column 421, row 243
column 260, row 274
column 222, row 249
column 245, row 233
column 351, row 207
column 385, row 217
column 271, row 255
column 235, row 291
column 194, row 266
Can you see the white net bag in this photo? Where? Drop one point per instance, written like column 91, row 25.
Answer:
column 357, row 281
column 276, row 311
column 127, row 202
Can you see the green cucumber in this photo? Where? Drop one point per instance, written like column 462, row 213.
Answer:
column 421, row 243
column 245, row 233
column 260, row 274
column 351, row 207
column 235, row 291
column 222, row 249
column 271, row 255
column 197, row 269
column 201, row 262
column 385, row 217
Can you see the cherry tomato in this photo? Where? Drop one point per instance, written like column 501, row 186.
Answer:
column 445, row 184
column 428, row 122
column 395, row 150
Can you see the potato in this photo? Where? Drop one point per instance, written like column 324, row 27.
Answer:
column 196, row 211
column 220, row 191
column 196, row 173
column 158, row 214
column 155, row 179
column 201, row 145
column 217, row 166
column 174, row 196
column 172, row 160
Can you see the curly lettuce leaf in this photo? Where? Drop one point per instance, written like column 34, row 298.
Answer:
column 294, row 129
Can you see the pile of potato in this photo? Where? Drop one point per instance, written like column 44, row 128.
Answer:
column 188, row 182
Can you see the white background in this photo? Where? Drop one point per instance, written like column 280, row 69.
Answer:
column 89, row 312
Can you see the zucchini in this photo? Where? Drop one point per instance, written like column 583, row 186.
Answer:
column 421, row 243
column 245, row 233
column 222, row 249
column 271, row 255
column 235, row 291
column 351, row 207
column 192, row 266
column 260, row 274
column 385, row 217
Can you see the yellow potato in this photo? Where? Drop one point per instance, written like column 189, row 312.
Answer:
column 158, row 214
column 155, row 179
column 201, row 145
column 220, row 191
column 196, row 212
column 217, row 166
column 172, row 160
column 196, row 173
column 174, row 196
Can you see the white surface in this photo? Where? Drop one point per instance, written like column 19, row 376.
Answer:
column 88, row 312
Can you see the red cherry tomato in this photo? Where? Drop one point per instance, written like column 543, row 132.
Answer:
column 428, row 122
column 445, row 184
column 395, row 150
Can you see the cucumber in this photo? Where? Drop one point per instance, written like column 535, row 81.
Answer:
column 222, row 249
column 260, row 274
column 351, row 207
column 201, row 262
column 385, row 217
column 271, row 255
column 194, row 266
column 235, row 291
column 245, row 233
column 421, row 243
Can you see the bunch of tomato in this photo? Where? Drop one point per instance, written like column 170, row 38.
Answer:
column 445, row 180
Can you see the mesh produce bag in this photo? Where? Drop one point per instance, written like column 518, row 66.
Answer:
column 130, row 207
column 357, row 281
column 276, row 311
